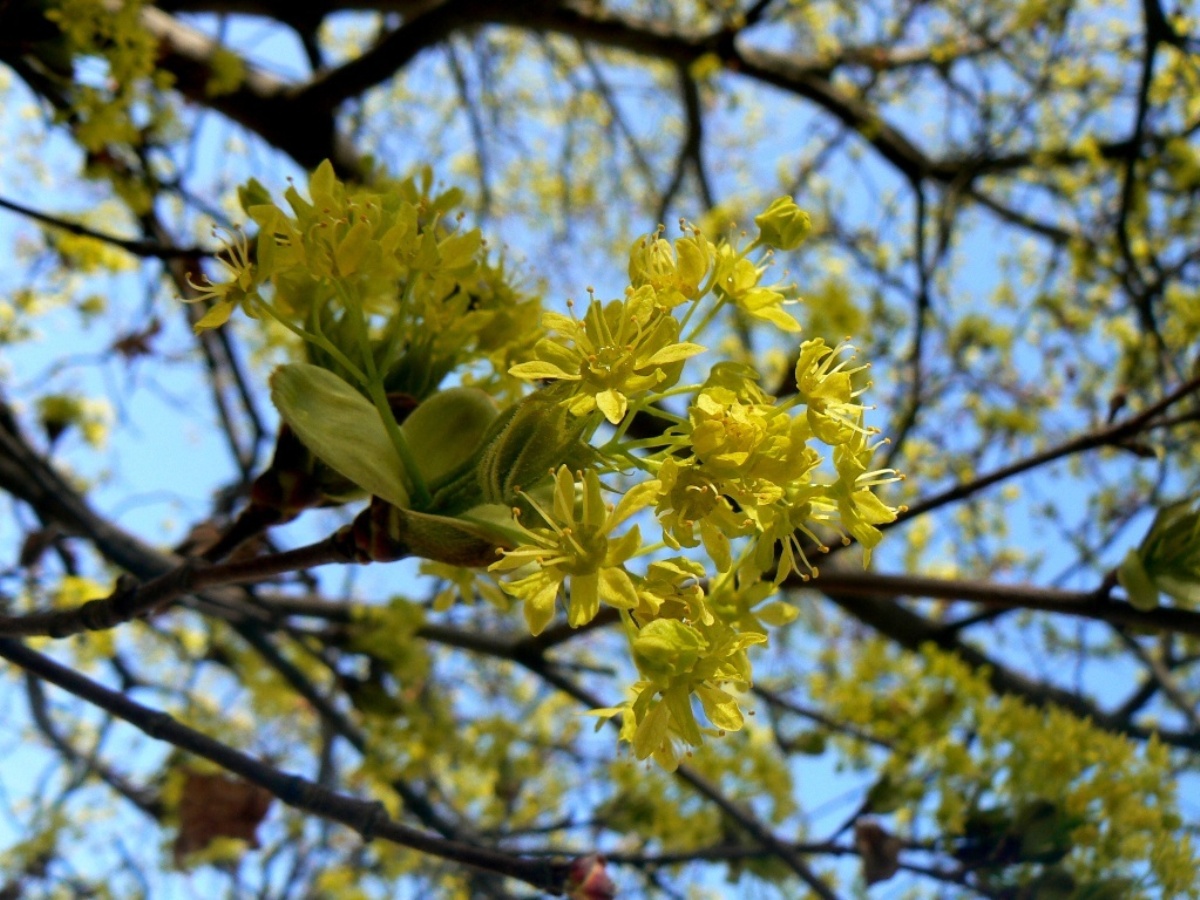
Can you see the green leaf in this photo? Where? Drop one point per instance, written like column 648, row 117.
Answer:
column 445, row 431
column 1184, row 590
column 528, row 440
column 651, row 731
column 447, row 540
column 1132, row 576
column 341, row 428
column 679, row 701
column 495, row 519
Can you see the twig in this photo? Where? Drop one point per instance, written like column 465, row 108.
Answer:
column 369, row 819
column 131, row 599
column 1105, row 437
column 142, row 248
column 143, row 799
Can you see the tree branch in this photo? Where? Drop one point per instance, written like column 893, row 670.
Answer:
column 368, row 819
column 143, row 248
column 130, row 600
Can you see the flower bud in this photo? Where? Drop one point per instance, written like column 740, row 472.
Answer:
column 588, row 880
column 384, row 533
column 1167, row 560
column 783, row 225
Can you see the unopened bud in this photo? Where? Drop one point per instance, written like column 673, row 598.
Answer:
column 783, row 225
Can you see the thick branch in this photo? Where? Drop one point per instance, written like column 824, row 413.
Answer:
column 262, row 103
column 1111, row 436
column 911, row 631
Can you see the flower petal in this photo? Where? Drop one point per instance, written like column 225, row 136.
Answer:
column 613, row 404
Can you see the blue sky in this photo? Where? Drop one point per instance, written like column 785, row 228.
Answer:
column 163, row 459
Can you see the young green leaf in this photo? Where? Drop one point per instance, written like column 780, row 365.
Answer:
column 341, row 428
column 446, row 430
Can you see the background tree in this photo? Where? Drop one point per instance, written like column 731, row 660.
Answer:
column 1004, row 207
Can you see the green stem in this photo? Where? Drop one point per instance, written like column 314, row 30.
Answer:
column 704, row 290
column 394, row 346
column 658, row 413
column 707, row 320
column 378, row 396
column 319, row 339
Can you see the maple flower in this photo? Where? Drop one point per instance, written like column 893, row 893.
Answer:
column 859, row 508
column 576, row 544
column 617, row 351
column 788, row 527
column 237, row 289
column 825, row 385
column 676, row 273
column 738, row 436
column 687, row 498
column 737, row 278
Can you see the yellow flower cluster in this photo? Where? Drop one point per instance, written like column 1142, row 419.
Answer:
column 1062, row 801
column 390, row 294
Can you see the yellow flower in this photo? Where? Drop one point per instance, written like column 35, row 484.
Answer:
column 689, row 499
column 859, row 508
column 618, row 351
column 824, row 384
column 737, row 279
column 578, row 545
column 238, row 289
column 676, row 273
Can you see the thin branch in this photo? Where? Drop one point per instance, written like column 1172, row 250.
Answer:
column 425, row 25
column 1095, row 605
column 414, row 801
column 607, row 94
column 475, row 122
column 922, row 309
column 777, row 700
column 143, row 248
column 1110, row 436
column 219, row 358
column 912, row 631
column 743, row 817
column 261, row 102
column 368, row 819
column 130, row 599
column 1165, row 681
column 691, row 150
column 142, row 798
